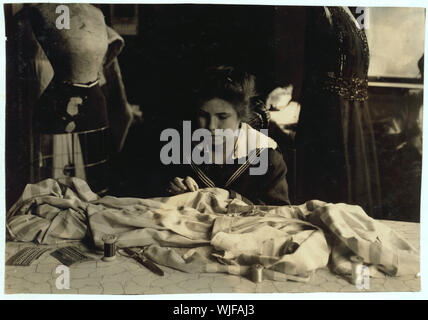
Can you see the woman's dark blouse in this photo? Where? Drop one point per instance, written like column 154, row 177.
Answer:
column 270, row 188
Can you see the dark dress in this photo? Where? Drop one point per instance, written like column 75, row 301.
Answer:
column 336, row 155
column 270, row 188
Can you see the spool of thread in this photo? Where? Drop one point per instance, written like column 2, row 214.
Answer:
column 357, row 266
column 109, row 247
column 257, row 273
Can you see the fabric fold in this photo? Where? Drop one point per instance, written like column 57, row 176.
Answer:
column 197, row 232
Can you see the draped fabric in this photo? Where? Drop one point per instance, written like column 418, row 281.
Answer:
column 336, row 155
column 211, row 231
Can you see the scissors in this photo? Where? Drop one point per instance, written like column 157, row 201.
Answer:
column 142, row 259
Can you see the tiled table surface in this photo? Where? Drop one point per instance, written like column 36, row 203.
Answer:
column 125, row 276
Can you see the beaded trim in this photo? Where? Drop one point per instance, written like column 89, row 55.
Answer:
column 337, row 13
column 351, row 89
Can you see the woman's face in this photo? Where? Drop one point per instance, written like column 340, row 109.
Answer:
column 217, row 114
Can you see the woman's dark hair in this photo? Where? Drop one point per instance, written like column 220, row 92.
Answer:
column 229, row 84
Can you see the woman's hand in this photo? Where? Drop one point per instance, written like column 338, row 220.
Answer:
column 180, row 185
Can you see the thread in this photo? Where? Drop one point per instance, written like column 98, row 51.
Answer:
column 257, row 273
column 109, row 247
column 357, row 265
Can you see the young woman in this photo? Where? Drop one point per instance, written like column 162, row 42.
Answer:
column 221, row 106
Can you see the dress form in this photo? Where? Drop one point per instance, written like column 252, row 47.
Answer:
column 70, row 118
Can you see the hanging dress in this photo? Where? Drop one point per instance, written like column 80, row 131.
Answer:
column 336, row 154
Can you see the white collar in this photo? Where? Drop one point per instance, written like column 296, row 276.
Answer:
column 249, row 139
